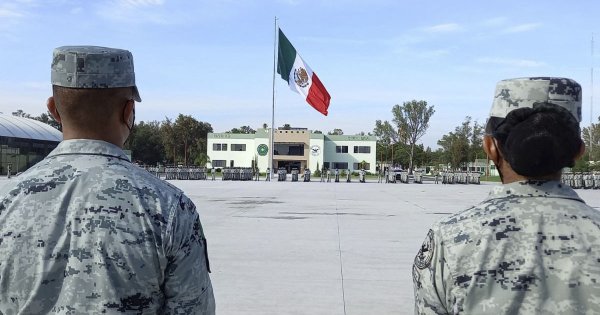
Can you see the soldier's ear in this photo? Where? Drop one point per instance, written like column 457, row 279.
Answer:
column 51, row 105
column 129, row 113
column 489, row 148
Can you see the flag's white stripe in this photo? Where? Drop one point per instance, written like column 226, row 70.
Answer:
column 300, row 64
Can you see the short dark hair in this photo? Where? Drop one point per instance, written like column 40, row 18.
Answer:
column 90, row 108
column 538, row 141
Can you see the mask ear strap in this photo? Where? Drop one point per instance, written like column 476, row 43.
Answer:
column 125, row 120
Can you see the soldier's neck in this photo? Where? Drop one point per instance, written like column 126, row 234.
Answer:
column 510, row 176
column 108, row 136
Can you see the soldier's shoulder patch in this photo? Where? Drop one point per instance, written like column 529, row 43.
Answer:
column 423, row 259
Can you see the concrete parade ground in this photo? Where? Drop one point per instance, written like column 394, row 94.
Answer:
column 322, row 248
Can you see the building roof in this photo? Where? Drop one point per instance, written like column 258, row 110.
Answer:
column 26, row 128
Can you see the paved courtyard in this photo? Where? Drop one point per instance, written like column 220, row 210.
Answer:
column 321, row 248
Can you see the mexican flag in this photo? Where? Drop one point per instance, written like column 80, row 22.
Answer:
column 300, row 77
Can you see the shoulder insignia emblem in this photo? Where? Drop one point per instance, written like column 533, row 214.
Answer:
column 301, row 77
column 423, row 259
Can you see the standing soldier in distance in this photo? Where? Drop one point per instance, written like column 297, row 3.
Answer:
column 532, row 247
column 98, row 234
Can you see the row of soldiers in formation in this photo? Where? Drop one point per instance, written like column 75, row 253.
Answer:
column 459, row 178
column 181, row 173
column 443, row 177
column 202, row 173
column 585, row 180
column 328, row 175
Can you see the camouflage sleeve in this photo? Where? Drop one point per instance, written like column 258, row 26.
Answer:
column 431, row 277
column 187, row 287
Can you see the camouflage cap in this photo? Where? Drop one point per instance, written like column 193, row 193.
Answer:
column 93, row 67
column 527, row 92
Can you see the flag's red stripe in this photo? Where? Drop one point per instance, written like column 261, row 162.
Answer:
column 318, row 97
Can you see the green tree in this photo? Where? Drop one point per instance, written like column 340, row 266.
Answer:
column 336, row 131
column 464, row 144
column 412, row 121
column 21, row 113
column 188, row 131
column 318, row 131
column 49, row 120
column 386, row 136
column 167, row 136
column 591, row 138
column 198, row 153
column 201, row 159
column 476, row 145
column 145, row 143
column 242, row 129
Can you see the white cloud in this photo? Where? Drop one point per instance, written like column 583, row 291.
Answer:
column 76, row 10
column 11, row 16
column 7, row 13
column 522, row 28
column 496, row 21
column 444, row 28
column 434, row 54
column 335, row 40
column 136, row 11
column 290, row 2
column 140, row 3
column 511, row 62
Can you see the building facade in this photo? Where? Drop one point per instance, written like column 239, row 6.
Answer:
column 295, row 148
column 24, row 142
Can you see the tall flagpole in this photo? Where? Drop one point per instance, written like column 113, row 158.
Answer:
column 592, row 104
column 272, row 133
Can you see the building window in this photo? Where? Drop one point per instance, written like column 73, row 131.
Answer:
column 341, row 149
column 238, row 147
column 362, row 149
column 340, row 165
column 357, row 166
column 219, row 146
column 295, row 149
column 218, row 163
column 326, row 165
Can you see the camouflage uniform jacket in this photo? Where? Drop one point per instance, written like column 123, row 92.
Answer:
column 86, row 232
column 529, row 248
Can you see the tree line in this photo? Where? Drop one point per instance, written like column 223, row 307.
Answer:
column 183, row 140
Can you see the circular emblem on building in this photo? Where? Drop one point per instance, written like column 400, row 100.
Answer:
column 262, row 149
column 301, row 77
column 315, row 150
column 423, row 259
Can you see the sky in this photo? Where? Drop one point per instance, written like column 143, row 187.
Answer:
column 213, row 59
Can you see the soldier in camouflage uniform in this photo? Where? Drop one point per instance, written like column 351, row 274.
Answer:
column 87, row 232
column 533, row 246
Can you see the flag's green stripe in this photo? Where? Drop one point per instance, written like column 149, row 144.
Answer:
column 286, row 57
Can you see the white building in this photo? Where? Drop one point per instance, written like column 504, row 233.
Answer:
column 483, row 166
column 296, row 148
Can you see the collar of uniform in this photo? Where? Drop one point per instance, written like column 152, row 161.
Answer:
column 534, row 188
column 88, row 147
